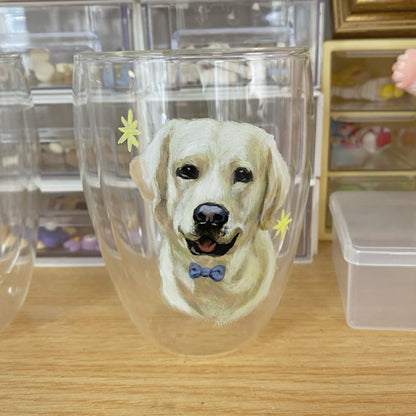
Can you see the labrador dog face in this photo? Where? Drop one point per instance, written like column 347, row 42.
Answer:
column 214, row 186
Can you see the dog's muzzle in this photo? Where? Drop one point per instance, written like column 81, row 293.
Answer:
column 209, row 219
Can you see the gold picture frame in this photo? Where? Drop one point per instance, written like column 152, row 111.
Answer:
column 374, row 18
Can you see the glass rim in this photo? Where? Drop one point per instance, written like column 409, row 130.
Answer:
column 197, row 53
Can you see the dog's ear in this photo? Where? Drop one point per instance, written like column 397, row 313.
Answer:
column 278, row 183
column 149, row 169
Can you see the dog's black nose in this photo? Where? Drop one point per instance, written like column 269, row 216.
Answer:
column 210, row 215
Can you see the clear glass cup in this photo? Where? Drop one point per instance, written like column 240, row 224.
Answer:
column 19, row 187
column 196, row 168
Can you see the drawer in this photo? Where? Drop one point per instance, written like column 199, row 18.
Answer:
column 65, row 228
column 362, row 79
column 213, row 24
column 56, row 136
column 49, row 35
column 373, row 143
column 58, row 157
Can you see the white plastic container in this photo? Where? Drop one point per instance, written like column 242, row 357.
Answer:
column 374, row 253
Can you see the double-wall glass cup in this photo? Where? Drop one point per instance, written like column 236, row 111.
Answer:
column 196, row 167
column 19, row 191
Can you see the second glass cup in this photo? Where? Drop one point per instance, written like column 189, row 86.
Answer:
column 195, row 166
column 19, row 187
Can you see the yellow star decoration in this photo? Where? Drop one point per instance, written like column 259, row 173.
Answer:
column 282, row 224
column 129, row 131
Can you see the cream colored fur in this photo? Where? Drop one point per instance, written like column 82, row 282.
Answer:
column 216, row 149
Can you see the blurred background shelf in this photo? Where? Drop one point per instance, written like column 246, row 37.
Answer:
column 49, row 33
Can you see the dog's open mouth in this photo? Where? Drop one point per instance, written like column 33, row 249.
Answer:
column 209, row 247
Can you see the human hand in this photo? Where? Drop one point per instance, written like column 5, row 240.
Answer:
column 404, row 71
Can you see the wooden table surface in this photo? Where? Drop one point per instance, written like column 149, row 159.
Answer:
column 72, row 350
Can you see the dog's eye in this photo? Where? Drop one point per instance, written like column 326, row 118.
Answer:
column 187, row 172
column 242, row 175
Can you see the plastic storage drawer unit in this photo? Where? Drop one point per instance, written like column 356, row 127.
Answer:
column 374, row 253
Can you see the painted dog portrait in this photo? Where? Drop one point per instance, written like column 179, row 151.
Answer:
column 216, row 187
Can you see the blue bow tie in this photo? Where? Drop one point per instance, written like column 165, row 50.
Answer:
column 216, row 273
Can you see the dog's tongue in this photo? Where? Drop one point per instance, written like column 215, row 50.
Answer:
column 206, row 245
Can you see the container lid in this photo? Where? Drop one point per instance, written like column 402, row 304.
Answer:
column 376, row 228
